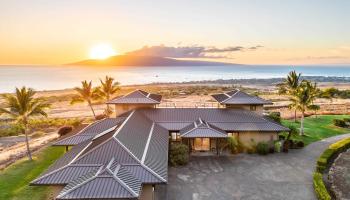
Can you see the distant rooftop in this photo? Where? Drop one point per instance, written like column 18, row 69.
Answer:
column 238, row 97
column 137, row 97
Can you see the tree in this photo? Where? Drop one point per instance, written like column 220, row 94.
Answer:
column 314, row 108
column 107, row 89
column 86, row 93
column 290, row 86
column 302, row 99
column 21, row 107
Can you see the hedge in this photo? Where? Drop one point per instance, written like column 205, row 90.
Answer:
column 323, row 162
column 329, row 153
column 320, row 188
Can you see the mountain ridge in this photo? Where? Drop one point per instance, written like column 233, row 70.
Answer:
column 131, row 60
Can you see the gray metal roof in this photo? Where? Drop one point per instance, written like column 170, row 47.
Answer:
column 135, row 133
column 65, row 175
column 111, row 181
column 91, row 131
column 137, row 97
column 249, row 126
column 240, row 98
column 115, row 163
column 173, row 126
column 131, row 165
column 202, row 129
column 157, row 152
column 142, row 174
column 225, row 119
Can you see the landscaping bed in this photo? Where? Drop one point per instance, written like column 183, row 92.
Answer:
column 323, row 163
column 339, row 176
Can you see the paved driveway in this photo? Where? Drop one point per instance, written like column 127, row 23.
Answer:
column 275, row 176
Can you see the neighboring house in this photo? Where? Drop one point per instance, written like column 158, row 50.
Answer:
column 127, row 156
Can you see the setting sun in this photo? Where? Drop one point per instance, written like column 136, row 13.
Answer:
column 102, row 51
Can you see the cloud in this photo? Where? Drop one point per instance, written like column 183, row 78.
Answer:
column 190, row 51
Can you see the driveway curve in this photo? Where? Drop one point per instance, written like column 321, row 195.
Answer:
column 286, row 176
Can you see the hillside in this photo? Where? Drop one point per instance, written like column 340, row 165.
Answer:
column 130, row 60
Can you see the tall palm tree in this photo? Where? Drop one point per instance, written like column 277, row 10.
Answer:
column 87, row 94
column 290, row 86
column 107, row 89
column 21, row 107
column 303, row 99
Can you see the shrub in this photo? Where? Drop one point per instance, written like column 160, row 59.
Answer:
column 262, row 148
column 233, row 144
column 328, row 154
column 339, row 123
column 277, row 146
column 12, row 129
column 347, row 120
column 275, row 116
column 42, row 123
column 178, row 154
column 64, row 130
column 293, row 130
column 320, row 188
column 300, row 144
column 240, row 146
column 37, row 134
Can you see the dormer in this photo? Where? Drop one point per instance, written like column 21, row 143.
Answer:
column 134, row 100
column 237, row 99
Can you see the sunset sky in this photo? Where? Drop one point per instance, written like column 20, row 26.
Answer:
column 248, row 32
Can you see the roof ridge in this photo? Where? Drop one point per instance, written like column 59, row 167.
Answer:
column 138, row 160
column 116, row 132
column 147, row 143
column 237, row 90
column 79, row 184
column 123, row 124
column 104, row 132
column 91, row 150
column 133, row 193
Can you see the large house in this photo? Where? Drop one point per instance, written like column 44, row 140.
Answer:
column 126, row 157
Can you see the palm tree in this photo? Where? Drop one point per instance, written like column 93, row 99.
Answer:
column 107, row 89
column 303, row 98
column 86, row 93
column 21, row 107
column 289, row 87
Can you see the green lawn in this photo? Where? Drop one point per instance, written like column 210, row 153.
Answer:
column 318, row 128
column 14, row 180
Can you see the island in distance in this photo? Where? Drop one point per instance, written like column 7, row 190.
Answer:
column 132, row 60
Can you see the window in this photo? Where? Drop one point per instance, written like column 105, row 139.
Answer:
column 175, row 136
column 253, row 108
column 231, row 134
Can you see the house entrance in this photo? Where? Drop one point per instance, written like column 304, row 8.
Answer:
column 201, row 144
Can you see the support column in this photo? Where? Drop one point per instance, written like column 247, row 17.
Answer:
column 189, row 145
column 217, row 146
column 66, row 148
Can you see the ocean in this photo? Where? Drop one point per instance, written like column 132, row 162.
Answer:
column 62, row 77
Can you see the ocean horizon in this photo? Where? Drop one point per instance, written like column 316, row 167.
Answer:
column 56, row 77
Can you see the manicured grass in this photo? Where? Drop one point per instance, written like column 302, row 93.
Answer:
column 14, row 180
column 318, row 128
